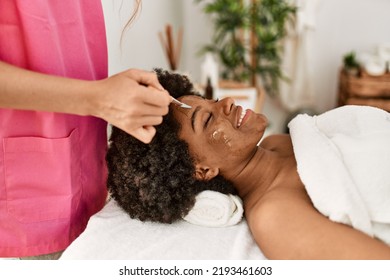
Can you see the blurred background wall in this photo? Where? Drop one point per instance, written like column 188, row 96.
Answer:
column 339, row 27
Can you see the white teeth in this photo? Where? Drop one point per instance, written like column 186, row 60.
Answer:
column 241, row 117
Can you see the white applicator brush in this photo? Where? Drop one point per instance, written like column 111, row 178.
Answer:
column 181, row 104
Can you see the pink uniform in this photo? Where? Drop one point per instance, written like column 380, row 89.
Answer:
column 52, row 166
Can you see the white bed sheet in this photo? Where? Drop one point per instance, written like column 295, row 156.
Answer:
column 112, row 235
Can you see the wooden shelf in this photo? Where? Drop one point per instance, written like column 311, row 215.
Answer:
column 364, row 89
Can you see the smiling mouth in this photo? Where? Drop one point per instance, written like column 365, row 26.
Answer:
column 243, row 113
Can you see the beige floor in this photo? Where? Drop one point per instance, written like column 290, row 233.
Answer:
column 53, row 256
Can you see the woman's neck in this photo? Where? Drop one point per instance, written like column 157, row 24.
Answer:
column 258, row 176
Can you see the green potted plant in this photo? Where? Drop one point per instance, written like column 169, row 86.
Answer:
column 351, row 65
column 247, row 39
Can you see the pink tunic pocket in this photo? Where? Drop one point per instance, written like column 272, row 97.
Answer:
column 42, row 177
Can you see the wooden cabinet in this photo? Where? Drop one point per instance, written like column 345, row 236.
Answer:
column 363, row 89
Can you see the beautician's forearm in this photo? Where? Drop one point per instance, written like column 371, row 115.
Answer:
column 28, row 90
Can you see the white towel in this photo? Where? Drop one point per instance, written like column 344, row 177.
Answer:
column 343, row 159
column 214, row 209
column 112, row 235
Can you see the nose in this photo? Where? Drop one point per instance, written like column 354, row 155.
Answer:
column 226, row 105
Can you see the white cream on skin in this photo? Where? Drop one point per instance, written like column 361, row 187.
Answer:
column 218, row 136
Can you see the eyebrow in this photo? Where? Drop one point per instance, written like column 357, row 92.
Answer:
column 193, row 117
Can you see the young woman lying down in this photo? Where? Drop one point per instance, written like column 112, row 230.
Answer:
column 215, row 146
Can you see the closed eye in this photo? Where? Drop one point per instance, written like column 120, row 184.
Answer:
column 210, row 116
column 208, row 120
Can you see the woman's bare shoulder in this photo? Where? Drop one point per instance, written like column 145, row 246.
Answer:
column 275, row 221
column 286, row 226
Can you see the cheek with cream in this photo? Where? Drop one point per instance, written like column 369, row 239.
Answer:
column 227, row 139
column 226, row 145
column 219, row 137
column 224, row 139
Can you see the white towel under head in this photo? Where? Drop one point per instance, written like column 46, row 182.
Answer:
column 215, row 209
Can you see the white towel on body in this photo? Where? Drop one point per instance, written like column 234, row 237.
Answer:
column 343, row 159
column 215, row 209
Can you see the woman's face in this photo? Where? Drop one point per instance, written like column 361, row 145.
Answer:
column 219, row 133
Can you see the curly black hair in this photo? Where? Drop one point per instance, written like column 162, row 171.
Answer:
column 156, row 181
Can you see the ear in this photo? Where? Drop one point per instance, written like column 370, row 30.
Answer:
column 205, row 173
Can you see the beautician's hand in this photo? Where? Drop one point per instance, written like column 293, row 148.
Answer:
column 133, row 101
